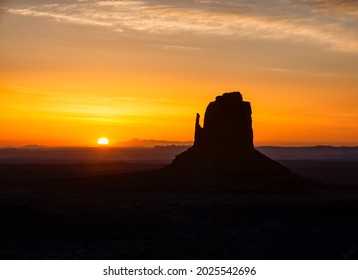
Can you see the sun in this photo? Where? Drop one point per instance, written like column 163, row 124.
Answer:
column 102, row 141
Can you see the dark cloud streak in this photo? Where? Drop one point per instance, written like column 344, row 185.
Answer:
column 348, row 6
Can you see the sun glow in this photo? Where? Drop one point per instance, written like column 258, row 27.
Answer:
column 103, row 141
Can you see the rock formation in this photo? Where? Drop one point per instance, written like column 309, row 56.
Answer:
column 224, row 148
column 227, row 122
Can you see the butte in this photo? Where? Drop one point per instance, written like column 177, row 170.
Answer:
column 223, row 149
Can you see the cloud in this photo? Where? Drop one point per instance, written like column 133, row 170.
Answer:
column 102, row 107
column 305, row 73
column 177, row 48
column 343, row 6
column 271, row 19
column 60, row 17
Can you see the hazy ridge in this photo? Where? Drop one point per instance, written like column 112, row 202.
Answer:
column 159, row 154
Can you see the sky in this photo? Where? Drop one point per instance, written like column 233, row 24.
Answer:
column 74, row 71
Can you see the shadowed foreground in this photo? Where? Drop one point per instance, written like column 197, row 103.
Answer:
column 146, row 216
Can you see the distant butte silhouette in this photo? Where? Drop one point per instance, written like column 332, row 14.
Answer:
column 224, row 147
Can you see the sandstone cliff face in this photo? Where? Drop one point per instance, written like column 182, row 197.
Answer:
column 223, row 147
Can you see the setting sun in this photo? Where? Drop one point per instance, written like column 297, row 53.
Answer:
column 102, row 141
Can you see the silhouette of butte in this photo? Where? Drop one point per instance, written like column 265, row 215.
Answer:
column 224, row 145
column 227, row 122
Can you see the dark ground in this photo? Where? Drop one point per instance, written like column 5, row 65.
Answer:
column 95, row 211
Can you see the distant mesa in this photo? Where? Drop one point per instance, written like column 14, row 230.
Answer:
column 146, row 143
column 224, row 147
column 33, row 147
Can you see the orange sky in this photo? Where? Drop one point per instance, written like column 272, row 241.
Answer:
column 74, row 71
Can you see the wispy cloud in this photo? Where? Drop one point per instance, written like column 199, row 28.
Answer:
column 271, row 19
column 342, row 6
column 177, row 48
column 306, row 73
column 107, row 108
column 60, row 17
